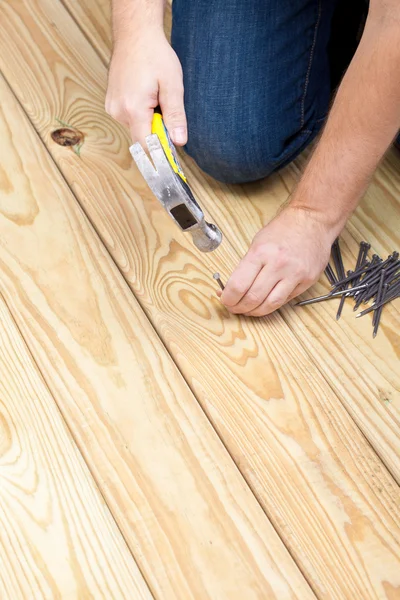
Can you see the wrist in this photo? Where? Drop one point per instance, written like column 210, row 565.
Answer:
column 137, row 34
column 328, row 224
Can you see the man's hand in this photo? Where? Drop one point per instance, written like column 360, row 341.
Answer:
column 286, row 257
column 145, row 72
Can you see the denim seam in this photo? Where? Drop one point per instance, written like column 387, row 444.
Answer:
column 310, row 61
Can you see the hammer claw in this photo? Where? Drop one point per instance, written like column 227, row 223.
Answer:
column 144, row 165
column 159, row 159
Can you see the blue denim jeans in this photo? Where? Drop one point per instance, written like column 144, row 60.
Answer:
column 257, row 81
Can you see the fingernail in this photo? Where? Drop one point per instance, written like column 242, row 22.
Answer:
column 179, row 135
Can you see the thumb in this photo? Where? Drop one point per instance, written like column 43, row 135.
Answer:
column 173, row 110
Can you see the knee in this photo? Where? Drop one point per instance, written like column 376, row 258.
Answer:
column 229, row 169
column 230, row 156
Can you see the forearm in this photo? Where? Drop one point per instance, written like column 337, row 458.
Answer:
column 363, row 121
column 131, row 16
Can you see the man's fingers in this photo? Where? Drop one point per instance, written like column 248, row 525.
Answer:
column 257, row 293
column 173, row 110
column 302, row 287
column 240, row 281
column 136, row 113
column 276, row 298
column 140, row 125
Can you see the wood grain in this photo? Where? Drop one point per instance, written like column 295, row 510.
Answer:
column 194, row 526
column 57, row 537
column 329, row 496
column 95, row 19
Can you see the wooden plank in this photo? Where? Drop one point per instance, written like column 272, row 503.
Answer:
column 327, row 493
column 94, row 17
column 193, row 524
column 57, row 537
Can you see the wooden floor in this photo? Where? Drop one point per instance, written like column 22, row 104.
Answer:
column 151, row 444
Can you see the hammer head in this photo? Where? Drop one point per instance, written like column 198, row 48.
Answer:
column 174, row 194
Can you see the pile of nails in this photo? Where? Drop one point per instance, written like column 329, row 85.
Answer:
column 374, row 279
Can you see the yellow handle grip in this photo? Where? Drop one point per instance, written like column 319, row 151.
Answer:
column 159, row 128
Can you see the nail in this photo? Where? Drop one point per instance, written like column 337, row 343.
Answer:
column 343, row 299
column 337, row 294
column 338, row 260
column 362, row 254
column 389, row 298
column 329, row 272
column 377, row 321
column 362, row 261
column 378, row 312
column 217, row 278
column 379, row 295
